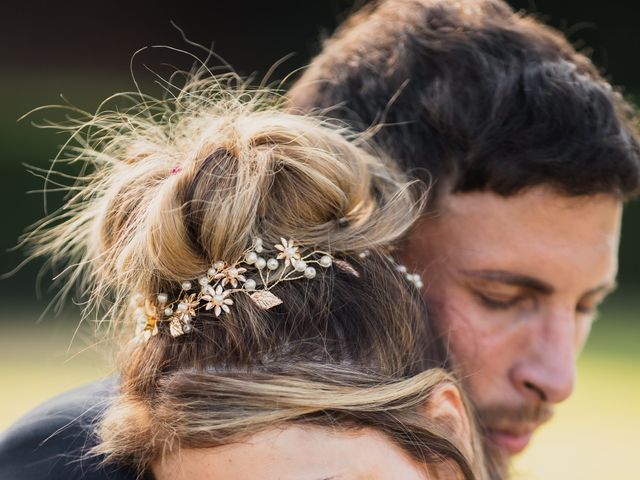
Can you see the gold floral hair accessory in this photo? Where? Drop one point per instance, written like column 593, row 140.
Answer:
column 252, row 274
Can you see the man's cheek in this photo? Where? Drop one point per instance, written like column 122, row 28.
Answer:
column 464, row 333
column 480, row 341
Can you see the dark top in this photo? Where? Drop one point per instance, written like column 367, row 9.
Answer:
column 52, row 440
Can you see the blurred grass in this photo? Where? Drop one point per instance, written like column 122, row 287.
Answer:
column 593, row 436
column 38, row 361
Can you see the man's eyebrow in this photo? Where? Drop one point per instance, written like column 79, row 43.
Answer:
column 605, row 288
column 510, row 278
column 532, row 283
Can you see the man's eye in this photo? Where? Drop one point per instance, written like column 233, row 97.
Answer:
column 591, row 310
column 585, row 309
column 498, row 302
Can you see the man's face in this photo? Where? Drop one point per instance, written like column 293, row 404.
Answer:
column 515, row 283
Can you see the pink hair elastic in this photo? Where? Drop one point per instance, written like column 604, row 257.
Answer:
column 175, row 169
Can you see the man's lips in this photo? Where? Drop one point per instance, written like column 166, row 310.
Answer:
column 510, row 441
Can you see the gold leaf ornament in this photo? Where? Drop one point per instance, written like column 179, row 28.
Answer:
column 175, row 327
column 265, row 299
column 346, row 267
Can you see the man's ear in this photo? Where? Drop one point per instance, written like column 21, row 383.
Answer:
column 445, row 406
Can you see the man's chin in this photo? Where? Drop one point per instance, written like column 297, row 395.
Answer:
column 509, row 431
column 499, row 447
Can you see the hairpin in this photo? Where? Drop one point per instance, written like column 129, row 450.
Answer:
column 252, row 274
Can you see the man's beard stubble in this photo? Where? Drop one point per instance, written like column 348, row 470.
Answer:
column 508, row 418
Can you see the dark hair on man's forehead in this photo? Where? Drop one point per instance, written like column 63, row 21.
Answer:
column 474, row 97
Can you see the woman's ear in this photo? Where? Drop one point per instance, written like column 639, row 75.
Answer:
column 445, row 406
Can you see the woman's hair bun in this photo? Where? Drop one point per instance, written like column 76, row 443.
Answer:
column 180, row 182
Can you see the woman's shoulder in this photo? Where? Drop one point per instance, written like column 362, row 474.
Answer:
column 52, row 440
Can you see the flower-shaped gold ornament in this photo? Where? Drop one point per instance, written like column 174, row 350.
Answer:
column 288, row 252
column 187, row 307
column 231, row 275
column 217, row 299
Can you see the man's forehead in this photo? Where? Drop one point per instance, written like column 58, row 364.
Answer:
column 539, row 234
column 539, row 211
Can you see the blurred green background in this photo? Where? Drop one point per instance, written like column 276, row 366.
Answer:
column 83, row 50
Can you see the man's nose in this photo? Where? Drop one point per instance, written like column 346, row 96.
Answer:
column 547, row 370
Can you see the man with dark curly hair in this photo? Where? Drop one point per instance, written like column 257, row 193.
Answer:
column 530, row 154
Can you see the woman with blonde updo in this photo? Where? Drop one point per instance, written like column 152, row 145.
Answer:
column 244, row 258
